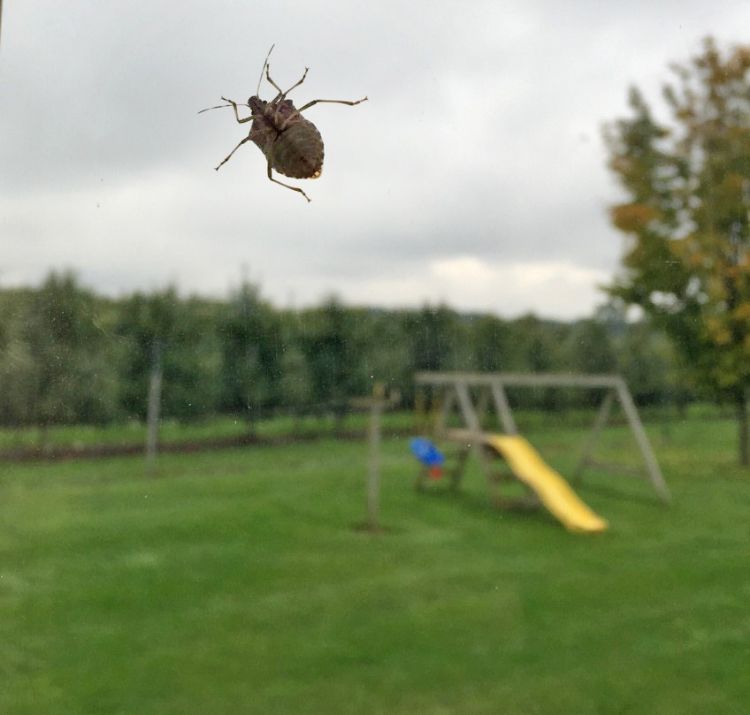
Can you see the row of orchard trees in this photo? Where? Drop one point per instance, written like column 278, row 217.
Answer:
column 70, row 356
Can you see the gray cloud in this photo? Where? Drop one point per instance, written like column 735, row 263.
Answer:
column 479, row 150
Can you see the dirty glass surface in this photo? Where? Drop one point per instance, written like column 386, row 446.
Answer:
column 448, row 416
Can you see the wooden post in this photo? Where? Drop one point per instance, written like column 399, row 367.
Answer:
column 377, row 403
column 154, row 404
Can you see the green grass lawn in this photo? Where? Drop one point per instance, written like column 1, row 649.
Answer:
column 235, row 583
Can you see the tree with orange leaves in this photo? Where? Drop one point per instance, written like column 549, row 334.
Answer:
column 687, row 255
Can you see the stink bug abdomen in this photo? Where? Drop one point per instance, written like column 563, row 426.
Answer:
column 298, row 151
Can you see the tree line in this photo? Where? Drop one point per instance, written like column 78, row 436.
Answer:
column 68, row 355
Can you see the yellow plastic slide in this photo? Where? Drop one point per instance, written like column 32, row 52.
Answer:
column 553, row 491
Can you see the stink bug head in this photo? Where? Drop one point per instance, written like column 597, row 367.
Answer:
column 256, row 104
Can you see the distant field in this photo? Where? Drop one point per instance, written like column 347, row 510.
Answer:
column 234, row 583
column 132, row 433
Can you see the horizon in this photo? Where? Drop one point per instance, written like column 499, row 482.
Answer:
column 185, row 295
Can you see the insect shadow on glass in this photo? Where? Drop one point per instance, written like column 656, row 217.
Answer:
column 291, row 144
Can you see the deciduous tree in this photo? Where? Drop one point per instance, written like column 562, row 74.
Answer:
column 687, row 181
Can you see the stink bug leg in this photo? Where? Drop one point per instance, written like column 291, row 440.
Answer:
column 236, row 113
column 229, row 156
column 281, row 183
column 248, row 138
column 331, row 101
column 281, row 94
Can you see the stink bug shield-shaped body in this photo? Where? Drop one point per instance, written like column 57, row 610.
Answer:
column 291, row 143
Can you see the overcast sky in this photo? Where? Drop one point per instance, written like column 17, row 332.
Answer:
column 475, row 174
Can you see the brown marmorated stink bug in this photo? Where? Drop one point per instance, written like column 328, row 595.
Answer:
column 292, row 144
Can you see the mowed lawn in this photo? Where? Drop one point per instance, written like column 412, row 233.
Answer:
column 235, row 583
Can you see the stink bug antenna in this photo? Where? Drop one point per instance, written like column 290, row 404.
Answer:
column 263, row 69
column 229, row 104
column 218, row 106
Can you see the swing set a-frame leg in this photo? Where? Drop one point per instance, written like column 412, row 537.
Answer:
column 599, row 423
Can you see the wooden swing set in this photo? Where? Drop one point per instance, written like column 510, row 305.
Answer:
column 472, row 394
